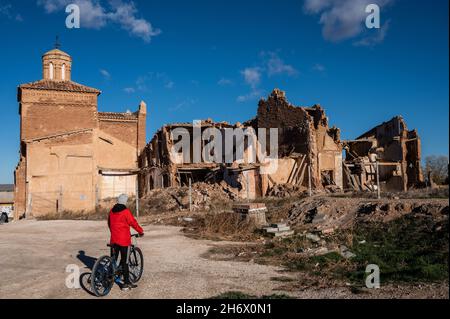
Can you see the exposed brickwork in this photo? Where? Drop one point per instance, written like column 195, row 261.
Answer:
column 304, row 141
column 397, row 150
column 142, row 126
column 46, row 119
column 276, row 111
column 59, row 86
column 302, row 130
column 124, row 131
column 64, row 141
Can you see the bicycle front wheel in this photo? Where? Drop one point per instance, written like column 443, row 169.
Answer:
column 136, row 264
column 102, row 277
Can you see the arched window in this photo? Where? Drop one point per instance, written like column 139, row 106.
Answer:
column 63, row 72
column 51, row 71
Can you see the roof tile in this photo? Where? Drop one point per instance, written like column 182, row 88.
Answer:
column 59, row 86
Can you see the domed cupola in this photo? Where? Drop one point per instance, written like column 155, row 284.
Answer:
column 56, row 65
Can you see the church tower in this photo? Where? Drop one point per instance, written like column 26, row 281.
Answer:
column 66, row 144
column 56, row 66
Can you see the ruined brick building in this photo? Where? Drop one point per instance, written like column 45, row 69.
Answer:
column 307, row 146
column 71, row 155
column 398, row 152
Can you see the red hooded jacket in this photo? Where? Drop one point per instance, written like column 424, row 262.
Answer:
column 120, row 220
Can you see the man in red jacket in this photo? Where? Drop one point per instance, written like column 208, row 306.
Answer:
column 120, row 220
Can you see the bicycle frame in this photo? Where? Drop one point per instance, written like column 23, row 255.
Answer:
column 116, row 265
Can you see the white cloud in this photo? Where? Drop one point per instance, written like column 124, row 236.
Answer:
column 105, row 74
column 95, row 15
column 6, row 11
column 125, row 15
column 224, row 82
column 252, row 76
column 270, row 65
column 153, row 79
column 375, row 39
column 169, row 85
column 141, row 83
column 254, row 94
column 183, row 104
column 276, row 66
column 51, row 6
column 341, row 19
column 129, row 90
column 319, row 67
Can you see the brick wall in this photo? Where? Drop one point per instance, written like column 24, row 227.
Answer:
column 125, row 131
column 46, row 113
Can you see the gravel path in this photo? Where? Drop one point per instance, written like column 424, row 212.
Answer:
column 34, row 256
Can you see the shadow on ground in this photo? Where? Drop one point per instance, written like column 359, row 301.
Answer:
column 85, row 278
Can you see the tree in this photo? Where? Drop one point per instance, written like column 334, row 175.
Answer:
column 437, row 168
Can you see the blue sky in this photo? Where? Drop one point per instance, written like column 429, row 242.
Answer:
column 214, row 59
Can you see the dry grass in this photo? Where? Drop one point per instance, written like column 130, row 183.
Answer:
column 100, row 213
column 222, row 226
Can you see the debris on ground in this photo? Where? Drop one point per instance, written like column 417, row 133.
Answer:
column 279, row 230
column 285, row 190
column 345, row 252
column 205, row 197
column 256, row 212
column 328, row 213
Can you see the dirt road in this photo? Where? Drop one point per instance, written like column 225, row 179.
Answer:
column 34, row 256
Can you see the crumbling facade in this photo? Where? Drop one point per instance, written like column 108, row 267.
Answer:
column 71, row 155
column 397, row 151
column 309, row 152
column 305, row 140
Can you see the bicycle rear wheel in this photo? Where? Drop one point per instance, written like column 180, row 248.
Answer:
column 102, row 277
column 136, row 264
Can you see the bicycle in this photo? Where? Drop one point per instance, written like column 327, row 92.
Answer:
column 107, row 271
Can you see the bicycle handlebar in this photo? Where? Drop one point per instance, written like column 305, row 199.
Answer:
column 136, row 235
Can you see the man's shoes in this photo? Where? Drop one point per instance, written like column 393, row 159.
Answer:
column 125, row 287
column 132, row 285
column 128, row 286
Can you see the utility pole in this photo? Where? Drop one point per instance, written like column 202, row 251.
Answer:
column 190, row 194
column 248, row 188
column 309, row 181
column 378, row 180
column 97, row 197
column 60, row 206
column 137, row 196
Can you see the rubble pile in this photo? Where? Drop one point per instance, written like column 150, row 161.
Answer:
column 285, row 191
column 177, row 198
column 327, row 213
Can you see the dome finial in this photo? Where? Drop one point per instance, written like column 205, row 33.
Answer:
column 57, row 43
